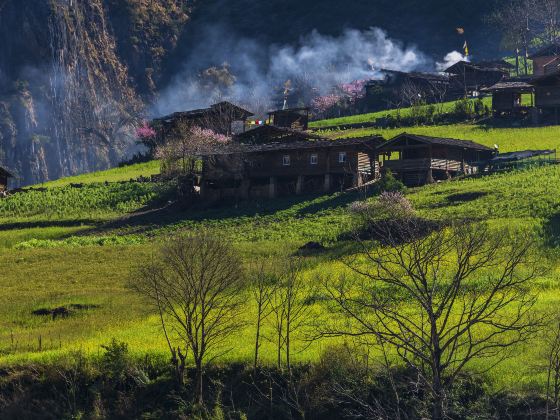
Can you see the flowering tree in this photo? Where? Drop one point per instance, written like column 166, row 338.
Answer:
column 322, row 105
column 355, row 90
column 344, row 96
column 145, row 131
column 181, row 155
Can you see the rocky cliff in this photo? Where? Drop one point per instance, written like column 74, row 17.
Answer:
column 73, row 78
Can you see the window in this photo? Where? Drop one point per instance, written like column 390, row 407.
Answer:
column 314, row 159
column 286, row 160
column 342, row 157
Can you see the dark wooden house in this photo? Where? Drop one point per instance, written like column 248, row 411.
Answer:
column 507, row 97
column 4, row 178
column 546, row 60
column 294, row 118
column 296, row 163
column 419, row 160
column 547, row 95
column 396, row 87
column 472, row 77
column 219, row 117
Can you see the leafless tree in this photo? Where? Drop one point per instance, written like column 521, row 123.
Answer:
column 196, row 284
column 552, row 349
column 440, row 300
column 289, row 308
column 263, row 287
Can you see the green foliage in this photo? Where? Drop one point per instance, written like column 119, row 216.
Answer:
column 115, row 361
column 90, row 200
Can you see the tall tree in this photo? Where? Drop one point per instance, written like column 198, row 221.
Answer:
column 440, row 300
column 196, row 284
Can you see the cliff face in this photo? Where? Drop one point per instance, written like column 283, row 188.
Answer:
column 73, row 77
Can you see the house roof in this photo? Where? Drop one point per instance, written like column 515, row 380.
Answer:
column 509, row 85
column 542, row 80
column 369, row 143
column 460, row 66
column 411, row 75
column 289, row 110
column 547, row 51
column 223, row 106
column 5, row 173
column 463, row 144
column 520, row 155
column 269, row 133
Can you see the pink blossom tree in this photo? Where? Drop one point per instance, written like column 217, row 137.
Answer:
column 145, row 131
column 181, row 155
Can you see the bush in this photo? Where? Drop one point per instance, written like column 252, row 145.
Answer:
column 388, row 205
column 388, row 183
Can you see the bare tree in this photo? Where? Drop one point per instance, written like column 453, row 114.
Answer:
column 440, row 300
column 196, row 285
column 263, row 287
column 289, row 308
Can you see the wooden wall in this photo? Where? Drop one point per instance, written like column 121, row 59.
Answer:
column 547, row 96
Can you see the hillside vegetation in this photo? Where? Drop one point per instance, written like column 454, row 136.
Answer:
column 77, row 246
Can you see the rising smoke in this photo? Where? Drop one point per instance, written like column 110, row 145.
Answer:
column 451, row 58
column 251, row 73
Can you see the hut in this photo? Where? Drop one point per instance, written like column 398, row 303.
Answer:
column 547, row 95
column 294, row 118
column 220, row 117
column 475, row 76
column 418, row 160
column 4, row 178
column 546, row 60
column 296, row 163
column 507, row 97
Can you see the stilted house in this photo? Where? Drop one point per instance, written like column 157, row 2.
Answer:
column 507, row 97
column 398, row 87
column 475, row 76
column 289, row 163
column 4, row 178
column 220, row 118
column 417, row 160
column 546, row 60
column 294, row 118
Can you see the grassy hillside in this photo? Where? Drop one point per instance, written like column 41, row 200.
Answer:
column 78, row 246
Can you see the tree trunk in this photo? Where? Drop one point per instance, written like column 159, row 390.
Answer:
column 257, row 337
column 199, row 385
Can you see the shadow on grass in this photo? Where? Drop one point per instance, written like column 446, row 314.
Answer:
column 47, row 224
column 551, row 230
column 149, row 219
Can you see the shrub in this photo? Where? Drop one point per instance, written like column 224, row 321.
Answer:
column 115, row 362
column 388, row 183
column 388, row 205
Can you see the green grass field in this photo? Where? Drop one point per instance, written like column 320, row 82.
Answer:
column 39, row 273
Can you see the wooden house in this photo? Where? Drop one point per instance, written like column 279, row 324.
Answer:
column 4, row 178
column 546, row 60
column 507, row 97
column 396, row 87
column 219, row 117
column 294, row 118
column 547, row 95
column 418, row 160
column 475, row 76
column 296, row 163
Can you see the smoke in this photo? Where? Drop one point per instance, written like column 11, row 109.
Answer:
column 223, row 67
column 451, row 58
